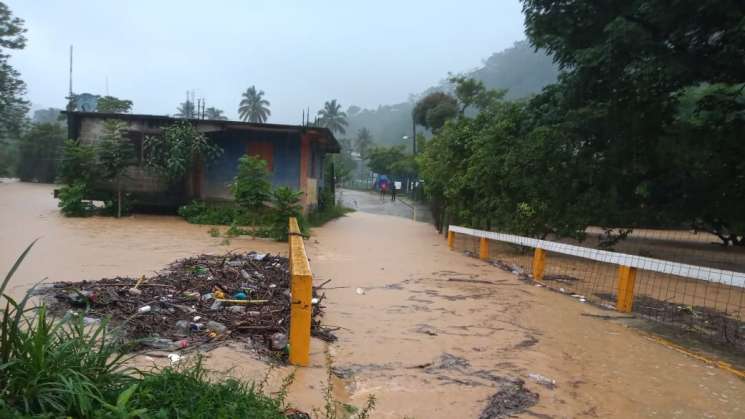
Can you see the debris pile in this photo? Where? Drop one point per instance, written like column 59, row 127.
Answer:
column 204, row 300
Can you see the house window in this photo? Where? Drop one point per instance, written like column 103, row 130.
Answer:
column 137, row 139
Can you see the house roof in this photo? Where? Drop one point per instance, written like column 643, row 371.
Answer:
column 323, row 134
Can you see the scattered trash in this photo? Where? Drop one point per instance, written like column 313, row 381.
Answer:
column 544, row 381
column 257, row 256
column 174, row 358
column 134, row 290
column 279, row 341
column 90, row 320
column 203, row 300
column 360, row 291
column 160, row 343
column 511, row 399
column 562, row 290
column 216, row 327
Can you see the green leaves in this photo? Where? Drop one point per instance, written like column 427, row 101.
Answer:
column 332, row 117
column 178, row 150
column 251, row 186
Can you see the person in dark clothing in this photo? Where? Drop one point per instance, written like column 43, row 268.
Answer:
column 393, row 191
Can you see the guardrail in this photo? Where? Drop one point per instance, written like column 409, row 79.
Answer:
column 627, row 264
column 301, row 289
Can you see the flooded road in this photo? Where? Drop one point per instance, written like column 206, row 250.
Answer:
column 432, row 333
column 373, row 203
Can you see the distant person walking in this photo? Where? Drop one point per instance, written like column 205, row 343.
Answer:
column 393, row 191
column 383, row 188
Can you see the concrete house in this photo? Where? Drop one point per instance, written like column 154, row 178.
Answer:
column 294, row 154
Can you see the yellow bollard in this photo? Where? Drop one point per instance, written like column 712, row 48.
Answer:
column 301, row 289
column 484, row 249
column 539, row 263
column 626, row 282
column 451, row 239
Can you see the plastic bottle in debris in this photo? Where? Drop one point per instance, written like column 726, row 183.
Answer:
column 160, row 343
column 216, row 326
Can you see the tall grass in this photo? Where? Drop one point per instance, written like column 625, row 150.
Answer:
column 53, row 367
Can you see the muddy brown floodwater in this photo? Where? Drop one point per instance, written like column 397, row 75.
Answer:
column 432, row 333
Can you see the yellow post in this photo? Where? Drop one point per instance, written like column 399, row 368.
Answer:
column 626, row 282
column 451, row 239
column 484, row 249
column 301, row 289
column 539, row 263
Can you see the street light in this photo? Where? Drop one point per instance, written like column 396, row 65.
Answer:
column 413, row 143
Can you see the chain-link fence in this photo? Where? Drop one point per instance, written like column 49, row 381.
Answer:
column 682, row 278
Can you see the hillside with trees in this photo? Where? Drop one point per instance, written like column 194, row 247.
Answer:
column 519, row 69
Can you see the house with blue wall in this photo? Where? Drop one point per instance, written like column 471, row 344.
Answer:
column 295, row 156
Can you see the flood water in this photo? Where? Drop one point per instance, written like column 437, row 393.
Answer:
column 432, row 333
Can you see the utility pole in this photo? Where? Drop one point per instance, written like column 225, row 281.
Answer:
column 413, row 135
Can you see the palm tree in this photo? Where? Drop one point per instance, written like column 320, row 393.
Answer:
column 215, row 114
column 363, row 142
column 332, row 117
column 185, row 110
column 253, row 107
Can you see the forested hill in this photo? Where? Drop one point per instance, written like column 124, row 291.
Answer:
column 519, row 69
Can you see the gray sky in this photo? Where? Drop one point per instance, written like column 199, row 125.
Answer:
column 300, row 53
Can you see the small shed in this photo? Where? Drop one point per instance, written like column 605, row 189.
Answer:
column 295, row 156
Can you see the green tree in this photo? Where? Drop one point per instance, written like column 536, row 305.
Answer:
column 111, row 104
column 332, row 117
column 78, row 163
column 472, row 93
column 215, row 114
column 627, row 70
column 363, row 142
column 286, row 203
column 115, row 154
column 186, row 110
column 78, row 172
column 13, row 107
column 253, row 106
column 390, row 161
column 251, row 187
column 40, row 152
column 434, row 110
column 177, row 151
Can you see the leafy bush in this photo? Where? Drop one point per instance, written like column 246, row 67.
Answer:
column 71, row 200
column 251, row 186
column 286, row 203
column 178, row 150
column 78, row 163
column 199, row 212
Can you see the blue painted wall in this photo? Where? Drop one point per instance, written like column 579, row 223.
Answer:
column 285, row 160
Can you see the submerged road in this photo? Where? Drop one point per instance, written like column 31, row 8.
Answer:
column 431, row 333
column 435, row 333
column 371, row 202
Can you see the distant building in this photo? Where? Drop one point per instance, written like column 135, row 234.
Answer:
column 294, row 154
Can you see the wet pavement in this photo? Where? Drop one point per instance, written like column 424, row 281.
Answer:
column 373, row 203
column 431, row 333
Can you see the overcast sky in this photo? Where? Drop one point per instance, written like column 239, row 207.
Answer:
column 301, row 53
